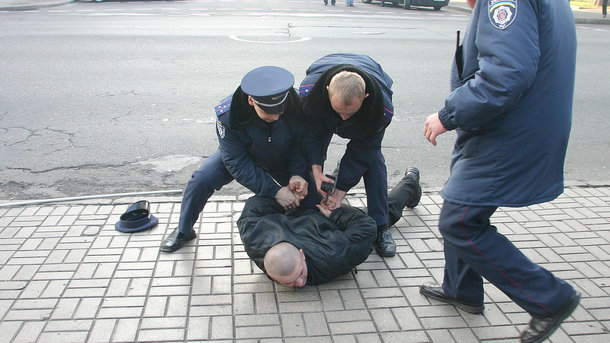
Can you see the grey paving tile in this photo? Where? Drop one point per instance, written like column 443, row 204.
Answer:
column 9, row 329
column 83, row 325
column 126, row 329
column 89, row 307
column 222, row 327
column 309, row 339
column 198, row 328
column 28, row 315
column 351, row 327
column 507, row 332
column 316, row 324
column 405, row 336
column 384, row 320
column 63, row 336
column 265, row 303
column 211, row 310
column 29, row 332
column 258, row 332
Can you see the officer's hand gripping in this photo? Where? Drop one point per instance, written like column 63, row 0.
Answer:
column 287, row 198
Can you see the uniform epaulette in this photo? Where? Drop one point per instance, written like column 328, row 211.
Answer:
column 224, row 105
column 387, row 115
column 304, row 90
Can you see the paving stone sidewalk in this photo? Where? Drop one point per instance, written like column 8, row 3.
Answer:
column 66, row 275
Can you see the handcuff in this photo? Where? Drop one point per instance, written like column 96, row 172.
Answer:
column 328, row 187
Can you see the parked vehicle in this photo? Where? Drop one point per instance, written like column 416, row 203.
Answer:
column 436, row 4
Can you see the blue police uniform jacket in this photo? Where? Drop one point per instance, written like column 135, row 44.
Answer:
column 261, row 156
column 365, row 128
column 333, row 246
column 511, row 103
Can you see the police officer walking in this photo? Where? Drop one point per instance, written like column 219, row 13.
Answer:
column 260, row 130
column 350, row 95
column 511, row 104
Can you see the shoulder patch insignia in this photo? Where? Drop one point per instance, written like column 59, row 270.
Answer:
column 502, row 13
column 221, row 129
column 224, row 106
column 387, row 115
column 304, row 90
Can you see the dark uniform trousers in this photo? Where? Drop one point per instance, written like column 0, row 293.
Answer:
column 375, row 183
column 474, row 249
column 376, row 186
column 401, row 195
column 210, row 177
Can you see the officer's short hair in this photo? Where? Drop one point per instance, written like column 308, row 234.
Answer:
column 347, row 85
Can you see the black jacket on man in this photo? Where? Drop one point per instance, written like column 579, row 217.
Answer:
column 332, row 246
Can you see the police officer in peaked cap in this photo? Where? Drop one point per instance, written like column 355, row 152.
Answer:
column 260, row 129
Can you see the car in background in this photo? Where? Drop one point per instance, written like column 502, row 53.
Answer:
column 436, row 4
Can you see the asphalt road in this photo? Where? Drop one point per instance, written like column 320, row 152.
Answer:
column 100, row 98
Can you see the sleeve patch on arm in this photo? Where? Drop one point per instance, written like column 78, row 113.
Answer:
column 502, row 13
column 221, row 129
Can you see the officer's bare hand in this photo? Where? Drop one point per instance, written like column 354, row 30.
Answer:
column 433, row 128
column 319, row 177
column 335, row 199
column 298, row 185
column 286, row 198
column 324, row 210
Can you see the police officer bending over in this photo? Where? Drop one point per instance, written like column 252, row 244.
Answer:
column 351, row 95
column 309, row 247
column 260, row 130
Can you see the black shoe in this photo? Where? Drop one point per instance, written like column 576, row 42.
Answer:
column 384, row 244
column 176, row 240
column 435, row 291
column 540, row 329
column 413, row 173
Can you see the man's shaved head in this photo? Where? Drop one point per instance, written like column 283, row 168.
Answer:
column 285, row 264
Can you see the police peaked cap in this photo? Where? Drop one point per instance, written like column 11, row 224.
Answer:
column 268, row 87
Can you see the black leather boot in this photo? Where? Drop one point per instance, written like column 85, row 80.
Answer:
column 412, row 173
column 407, row 193
column 384, row 244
